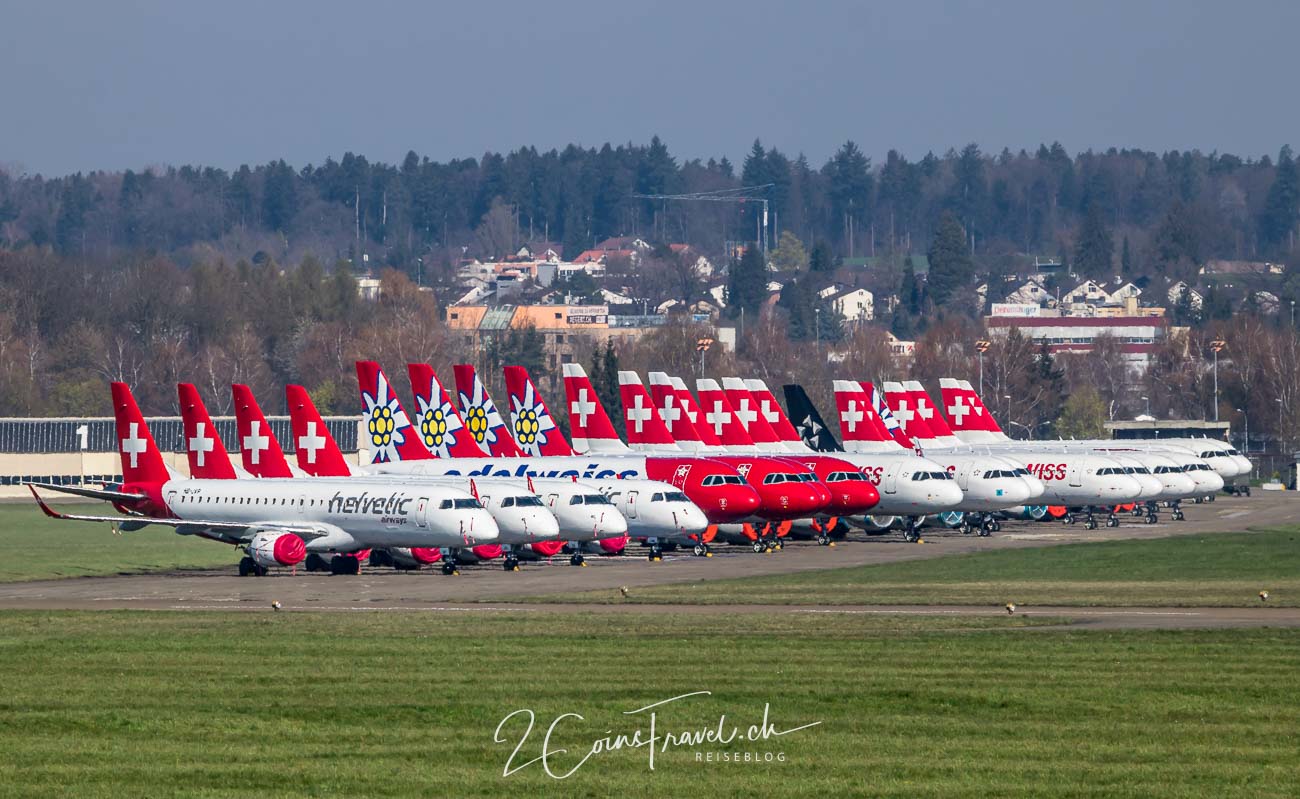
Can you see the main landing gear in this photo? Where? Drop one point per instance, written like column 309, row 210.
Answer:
column 984, row 524
column 1176, row 511
column 576, row 559
column 702, row 551
column 316, row 563
column 1090, row 521
column 345, row 564
column 450, row 563
column 248, row 566
column 912, row 530
column 511, row 563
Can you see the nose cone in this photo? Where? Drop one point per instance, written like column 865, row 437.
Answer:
column 1014, row 492
column 1244, row 465
column 948, row 494
column 609, row 522
column 690, row 519
column 1209, row 482
column 478, row 527
column 725, row 503
column 1123, row 489
column 1036, row 487
column 852, row 497
column 1151, row 486
column 542, row 525
column 792, row 500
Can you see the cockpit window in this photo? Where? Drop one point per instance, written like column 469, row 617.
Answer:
column 468, row 504
column 596, row 499
column 723, row 479
column 918, row 477
column 657, row 497
column 776, row 477
column 508, row 502
column 846, row 477
column 444, row 505
column 675, row 496
column 528, row 502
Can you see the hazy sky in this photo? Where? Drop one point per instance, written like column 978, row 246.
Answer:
column 131, row 83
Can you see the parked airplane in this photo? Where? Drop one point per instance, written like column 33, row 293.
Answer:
column 277, row 521
column 1072, row 479
column 654, row 507
column 971, row 420
column 523, row 524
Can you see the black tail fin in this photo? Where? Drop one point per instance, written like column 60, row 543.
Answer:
column 812, row 428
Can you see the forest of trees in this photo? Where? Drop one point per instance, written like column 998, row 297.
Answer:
column 213, row 277
column 1140, row 211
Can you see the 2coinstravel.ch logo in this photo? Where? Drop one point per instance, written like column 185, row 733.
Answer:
column 722, row 742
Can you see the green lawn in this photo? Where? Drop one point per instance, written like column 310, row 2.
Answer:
column 226, row 704
column 1226, row 569
column 40, row 547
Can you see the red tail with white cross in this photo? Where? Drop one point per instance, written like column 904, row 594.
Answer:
column 259, row 451
column 589, row 425
column 318, row 455
column 142, row 462
column 203, row 445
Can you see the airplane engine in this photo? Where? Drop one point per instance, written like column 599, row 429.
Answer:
column 547, row 548
column 411, row 557
column 276, row 549
column 612, row 546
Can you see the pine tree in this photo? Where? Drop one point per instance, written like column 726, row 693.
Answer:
column 821, row 259
column 950, row 265
column 1125, row 260
column 1277, row 220
column 746, row 284
column 1094, row 249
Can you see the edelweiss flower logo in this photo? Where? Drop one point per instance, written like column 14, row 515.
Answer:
column 527, row 427
column 386, row 424
column 477, row 418
column 438, row 426
column 530, row 422
column 478, row 426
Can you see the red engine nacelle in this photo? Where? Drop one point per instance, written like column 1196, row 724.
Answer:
column 612, row 546
column 276, row 549
column 547, row 548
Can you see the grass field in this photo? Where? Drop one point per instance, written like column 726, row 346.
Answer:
column 1228, row 569
column 217, row 704
column 52, row 548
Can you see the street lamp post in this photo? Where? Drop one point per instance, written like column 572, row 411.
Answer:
column 1147, row 400
column 982, row 346
column 1007, row 397
column 1246, row 428
column 1215, row 346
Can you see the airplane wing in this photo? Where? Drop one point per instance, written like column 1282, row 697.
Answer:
column 225, row 530
column 93, row 493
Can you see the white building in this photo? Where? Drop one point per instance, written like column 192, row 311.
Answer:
column 855, row 305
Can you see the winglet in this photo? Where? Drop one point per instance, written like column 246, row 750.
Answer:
column 46, row 509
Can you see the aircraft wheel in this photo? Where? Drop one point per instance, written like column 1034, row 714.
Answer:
column 246, row 566
column 965, row 528
column 699, row 551
column 315, row 563
column 997, row 526
column 450, row 569
column 577, row 560
column 1091, row 524
column 1178, row 516
column 823, row 540
column 511, row 565
column 1112, row 521
column 1151, row 518
column 759, row 547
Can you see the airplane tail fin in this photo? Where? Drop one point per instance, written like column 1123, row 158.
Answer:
column 966, row 414
column 259, row 451
column 481, row 416
column 706, row 431
column 389, row 434
column 203, row 445
column 928, row 410
column 809, row 424
column 142, row 461
column 891, row 423
column 720, row 415
column 645, row 428
column 318, row 454
column 772, row 413
column 748, row 414
column 438, row 423
column 681, row 422
column 589, row 424
column 902, row 406
column 535, row 429
column 989, row 422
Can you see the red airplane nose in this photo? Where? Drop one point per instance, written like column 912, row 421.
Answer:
column 728, row 503
column 795, row 501
column 853, row 497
